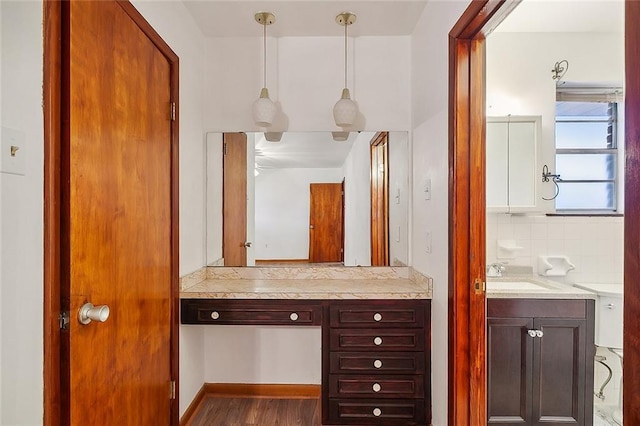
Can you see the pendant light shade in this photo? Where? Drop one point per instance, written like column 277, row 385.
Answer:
column 264, row 109
column 345, row 110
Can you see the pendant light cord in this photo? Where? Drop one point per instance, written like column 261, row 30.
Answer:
column 264, row 39
column 345, row 54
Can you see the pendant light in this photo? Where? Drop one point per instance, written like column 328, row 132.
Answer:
column 345, row 110
column 264, row 110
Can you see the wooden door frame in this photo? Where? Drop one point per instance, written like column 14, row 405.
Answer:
column 467, row 315
column 467, row 398
column 53, row 74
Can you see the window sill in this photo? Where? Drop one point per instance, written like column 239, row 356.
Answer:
column 586, row 214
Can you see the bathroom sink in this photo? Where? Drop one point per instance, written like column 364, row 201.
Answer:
column 515, row 286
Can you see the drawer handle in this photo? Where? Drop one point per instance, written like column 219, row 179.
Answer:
column 293, row 316
column 377, row 412
column 377, row 341
column 376, row 387
column 215, row 315
column 377, row 317
column 377, row 363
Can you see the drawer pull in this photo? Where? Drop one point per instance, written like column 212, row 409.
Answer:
column 377, row 341
column 377, row 317
column 377, row 412
column 293, row 316
column 377, row 363
column 215, row 315
column 376, row 387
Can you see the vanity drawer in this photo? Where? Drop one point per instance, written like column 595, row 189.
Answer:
column 250, row 312
column 378, row 314
column 355, row 386
column 384, row 412
column 383, row 363
column 391, row 339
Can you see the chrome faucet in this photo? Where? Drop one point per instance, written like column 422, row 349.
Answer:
column 496, row 269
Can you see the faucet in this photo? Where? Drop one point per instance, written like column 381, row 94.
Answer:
column 496, row 269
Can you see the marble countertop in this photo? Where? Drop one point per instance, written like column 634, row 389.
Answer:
column 301, row 289
column 306, row 283
column 532, row 287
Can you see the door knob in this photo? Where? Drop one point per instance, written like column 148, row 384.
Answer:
column 88, row 313
column 247, row 244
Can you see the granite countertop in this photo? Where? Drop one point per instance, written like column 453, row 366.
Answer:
column 532, row 287
column 306, row 284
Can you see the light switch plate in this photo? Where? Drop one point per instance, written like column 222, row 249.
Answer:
column 12, row 151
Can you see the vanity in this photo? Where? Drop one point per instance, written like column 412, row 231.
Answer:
column 376, row 331
column 540, row 352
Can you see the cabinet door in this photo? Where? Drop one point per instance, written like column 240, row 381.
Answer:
column 560, row 381
column 510, row 370
column 497, row 166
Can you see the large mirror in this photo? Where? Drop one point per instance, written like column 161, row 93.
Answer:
column 307, row 198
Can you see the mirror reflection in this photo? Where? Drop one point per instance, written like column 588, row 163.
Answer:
column 307, row 198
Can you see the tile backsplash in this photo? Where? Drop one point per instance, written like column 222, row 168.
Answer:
column 594, row 244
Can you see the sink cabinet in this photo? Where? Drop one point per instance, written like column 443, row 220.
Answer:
column 540, row 356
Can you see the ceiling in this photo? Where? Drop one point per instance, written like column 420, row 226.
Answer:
column 299, row 18
column 574, row 16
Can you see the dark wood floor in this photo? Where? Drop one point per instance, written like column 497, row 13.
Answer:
column 214, row 411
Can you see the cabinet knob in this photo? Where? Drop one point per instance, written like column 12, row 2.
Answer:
column 377, row 341
column 376, row 387
column 377, row 317
column 293, row 316
column 539, row 333
column 377, row 412
column 377, row 363
column 215, row 315
column 531, row 333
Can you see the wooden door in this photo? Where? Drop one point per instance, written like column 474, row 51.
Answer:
column 380, row 200
column 119, row 216
column 234, row 200
column 509, row 371
column 325, row 222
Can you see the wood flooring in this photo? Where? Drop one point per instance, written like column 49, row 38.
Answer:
column 217, row 411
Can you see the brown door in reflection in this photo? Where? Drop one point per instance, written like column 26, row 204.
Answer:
column 234, row 204
column 380, row 199
column 325, row 222
column 118, row 216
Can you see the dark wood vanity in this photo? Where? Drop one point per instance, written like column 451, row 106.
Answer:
column 376, row 354
column 540, row 361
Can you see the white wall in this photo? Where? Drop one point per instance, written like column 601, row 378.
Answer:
column 22, row 215
column 519, row 77
column 399, row 174
column 429, row 87
column 357, row 202
column 305, row 77
column 172, row 21
column 282, row 210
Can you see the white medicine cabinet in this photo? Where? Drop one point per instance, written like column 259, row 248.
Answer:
column 512, row 153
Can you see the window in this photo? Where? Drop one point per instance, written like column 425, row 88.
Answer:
column 587, row 152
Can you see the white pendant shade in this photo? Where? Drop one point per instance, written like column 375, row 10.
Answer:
column 345, row 110
column 264, row 110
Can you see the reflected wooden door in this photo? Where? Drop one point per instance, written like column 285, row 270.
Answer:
column 234, row 204
column 119, row 205
column 380, row 200
column 325, row 222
